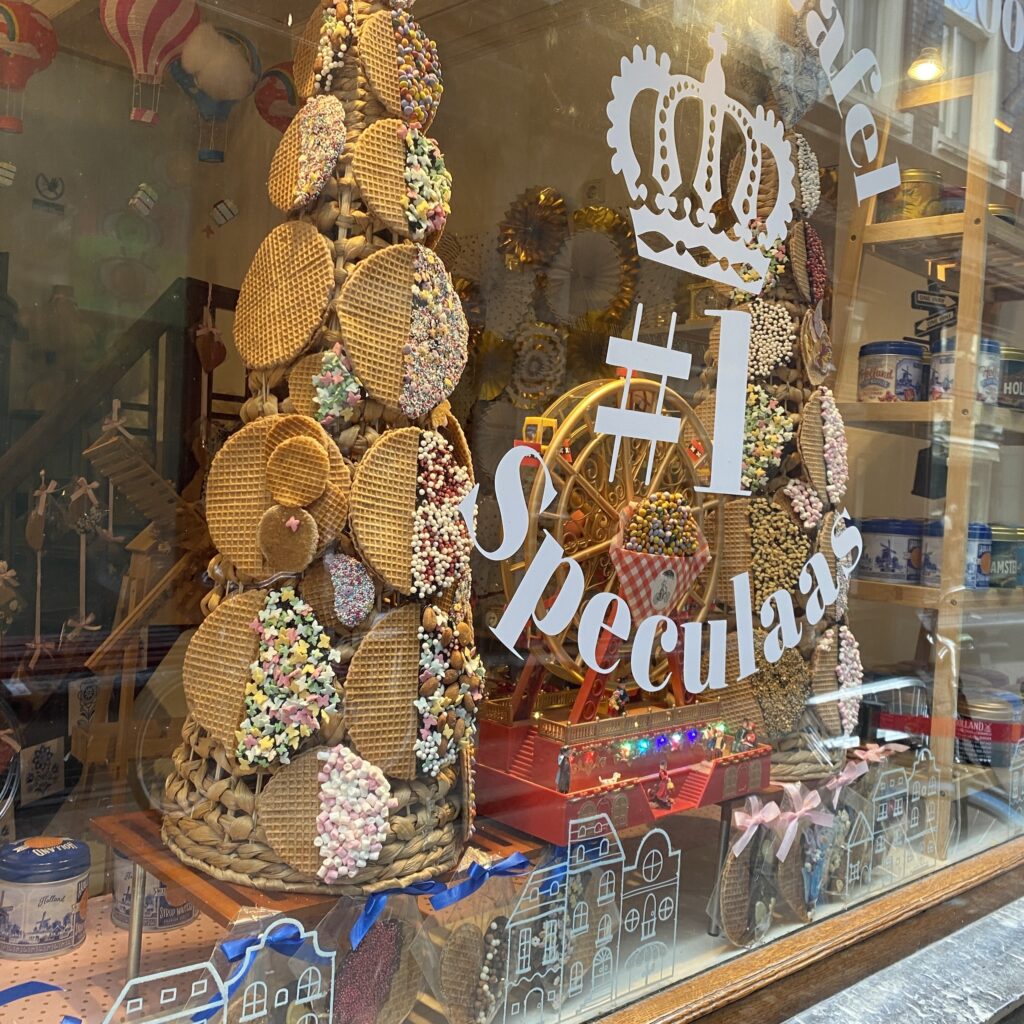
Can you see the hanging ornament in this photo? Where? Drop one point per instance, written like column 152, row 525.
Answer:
column 144, row 199
column 217, row 68
column 224, row 210
column 28, row 44
column 152, row 33
column 276, row 97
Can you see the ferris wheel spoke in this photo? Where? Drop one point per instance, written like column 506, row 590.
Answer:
column 584, row 484
column 663, row 464
column 593, row 551
column 628, row 468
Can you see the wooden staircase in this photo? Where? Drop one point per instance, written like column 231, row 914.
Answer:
column 522, row 766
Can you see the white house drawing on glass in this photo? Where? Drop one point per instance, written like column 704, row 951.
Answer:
column 615, row 938
column 267, row 985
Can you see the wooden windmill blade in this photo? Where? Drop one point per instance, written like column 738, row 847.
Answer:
column 122, row 462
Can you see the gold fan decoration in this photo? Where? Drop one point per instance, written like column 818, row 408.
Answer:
column 534, row 228
column 591, row 281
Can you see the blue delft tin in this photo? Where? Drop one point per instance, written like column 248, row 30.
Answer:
column 44, row 891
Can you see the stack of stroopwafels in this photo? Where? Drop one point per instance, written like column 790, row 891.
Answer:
column 354, row 338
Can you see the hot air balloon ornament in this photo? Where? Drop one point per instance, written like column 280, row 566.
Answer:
column 27, row 44
column 152, row 33
column 276, row 97
column 217, row 68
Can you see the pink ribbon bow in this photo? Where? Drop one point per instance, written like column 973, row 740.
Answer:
column 875, row 754
column 806, row 807
column 39, row 647
column 45, row 490
column 115, row 421
column 82, row 489
column 8, row 575
column 752, row 819
column 851, row 772
column 76, row 627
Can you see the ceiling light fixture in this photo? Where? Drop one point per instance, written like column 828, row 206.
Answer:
column 928, row 67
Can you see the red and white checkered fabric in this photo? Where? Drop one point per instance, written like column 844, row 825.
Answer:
column 656, row 584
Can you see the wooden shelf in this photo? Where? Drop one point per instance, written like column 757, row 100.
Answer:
column 911, row 243
column 910, row 595
column 918, row 419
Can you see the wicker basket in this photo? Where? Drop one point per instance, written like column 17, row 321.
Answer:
column 214, row 825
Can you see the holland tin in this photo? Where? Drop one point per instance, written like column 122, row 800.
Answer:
column 890, row 371
column 44, row 891
column 161, row 913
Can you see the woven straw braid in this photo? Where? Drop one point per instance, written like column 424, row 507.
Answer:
column 734, row 893
column 237, row 497
column 824, row 684
column 214, row 826
column 306, row 52
column 375, row 309
column 300, row 385
column 216, row 667
column 378, row 162
column 794, row 761
column 383, row 502
column 461, row 961
column 380, row 689
column 797, row 247
column 810, row 440
column 288, row 808
column 790, row 879
column 284, row 295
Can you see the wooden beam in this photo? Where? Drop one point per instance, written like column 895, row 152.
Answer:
column 936, row 92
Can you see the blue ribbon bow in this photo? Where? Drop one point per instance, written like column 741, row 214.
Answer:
column 516, row 864
column 287, row 941
column 376, row 903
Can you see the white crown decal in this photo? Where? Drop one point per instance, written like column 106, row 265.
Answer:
column 679, row 229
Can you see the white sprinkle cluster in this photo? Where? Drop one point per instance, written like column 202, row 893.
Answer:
column 335, row 35
column 850, row 675
column 355, row 801
column 440, row 541
column 772, row 337
column 805, row 501
column 809, row 174
column 836, row 448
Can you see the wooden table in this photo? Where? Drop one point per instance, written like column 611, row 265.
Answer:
column 137, row 837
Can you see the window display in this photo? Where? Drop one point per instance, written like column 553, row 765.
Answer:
column 503, row 511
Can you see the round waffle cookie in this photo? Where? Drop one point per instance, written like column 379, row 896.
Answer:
column 287, row 810
column 381, row 720
column 307, row 154
column 405, row 330
column 300, row 384
column 216, row 668
column 797, row 249
column 288, row 538
column 379, row 163
column 297, row 471
column 383, row 502
column 810, row 441
column 238, row 492
column 790, row 880
column 306, row 51
column 461, row 962
column 284, row 295
column 401, row 66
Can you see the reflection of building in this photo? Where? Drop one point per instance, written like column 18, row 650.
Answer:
column 588, row 928
column 268, row 986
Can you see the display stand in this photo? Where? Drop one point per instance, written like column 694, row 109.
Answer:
column 137, row 837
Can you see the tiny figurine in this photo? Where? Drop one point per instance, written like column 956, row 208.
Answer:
column 747, row 738
column 564, row 773
column 618, row 700
column 664, row 788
